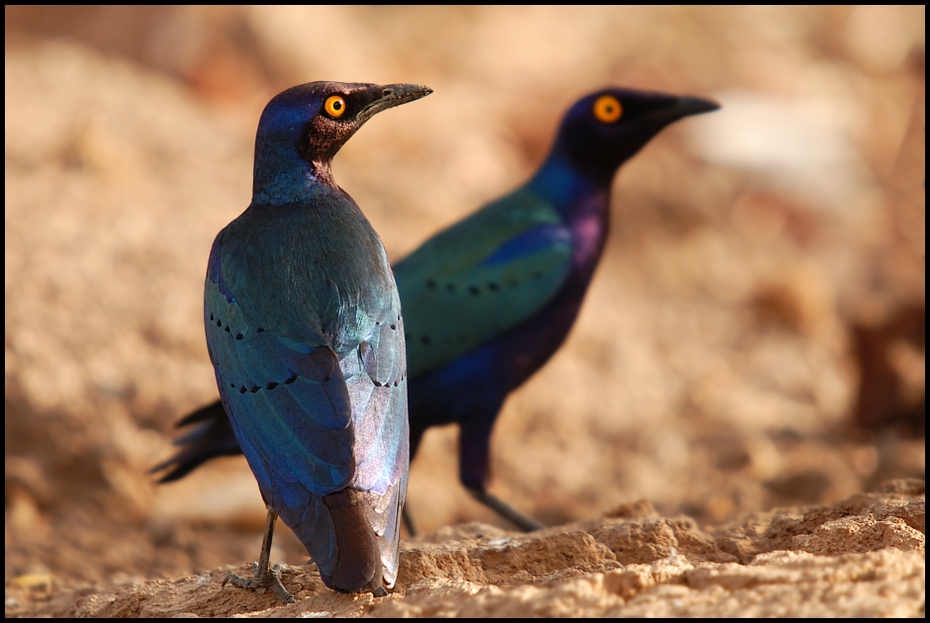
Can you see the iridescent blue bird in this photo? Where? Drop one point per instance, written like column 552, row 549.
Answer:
column 305, row 333
column 490, row 299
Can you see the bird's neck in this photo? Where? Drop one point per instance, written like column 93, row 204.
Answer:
column 582, row 199
column 277, row 185
column 570, row 188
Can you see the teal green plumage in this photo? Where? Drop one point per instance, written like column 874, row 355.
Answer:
column 478, row 258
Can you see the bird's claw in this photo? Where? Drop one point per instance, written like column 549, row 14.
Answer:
column 270, row 579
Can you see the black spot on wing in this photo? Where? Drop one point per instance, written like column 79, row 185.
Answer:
column 268, row 386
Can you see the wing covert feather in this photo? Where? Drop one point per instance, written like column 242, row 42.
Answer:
column 482, row 277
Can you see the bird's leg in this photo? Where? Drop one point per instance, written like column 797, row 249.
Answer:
column 262, row 575
column 408, row 521
column 474, row 471
column 524, row 522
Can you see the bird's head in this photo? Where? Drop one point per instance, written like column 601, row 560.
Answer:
column 302, row 129
column 603, row 130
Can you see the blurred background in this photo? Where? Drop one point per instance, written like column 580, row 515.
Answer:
column 754, row 336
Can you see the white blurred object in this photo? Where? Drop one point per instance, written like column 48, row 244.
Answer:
column 802, row 147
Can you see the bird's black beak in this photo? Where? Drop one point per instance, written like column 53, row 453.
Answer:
column 696, row 105
column 392, row 95
column 683, row 107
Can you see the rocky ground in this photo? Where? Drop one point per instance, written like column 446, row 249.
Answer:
column 734, row 427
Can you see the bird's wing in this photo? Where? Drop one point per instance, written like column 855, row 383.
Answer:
column 377, row 386
column 481, row 277
column 287, row 401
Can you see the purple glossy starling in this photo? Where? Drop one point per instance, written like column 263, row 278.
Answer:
column 490, row 299
column 305, row 333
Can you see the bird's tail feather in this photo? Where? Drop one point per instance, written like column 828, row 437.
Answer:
column 213, row 437
column 358, row 560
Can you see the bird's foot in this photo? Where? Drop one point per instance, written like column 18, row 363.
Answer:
column 271, row 578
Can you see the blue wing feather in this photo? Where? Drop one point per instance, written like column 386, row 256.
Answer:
column 282, row 401
column 529, row 242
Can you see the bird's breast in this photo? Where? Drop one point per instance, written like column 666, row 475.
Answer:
column 589, row 230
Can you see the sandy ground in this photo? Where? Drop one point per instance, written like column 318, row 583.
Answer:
column 735, row 425
column 863, row 556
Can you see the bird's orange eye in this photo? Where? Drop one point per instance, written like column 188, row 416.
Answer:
column 607, row 108
column 335, row 106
